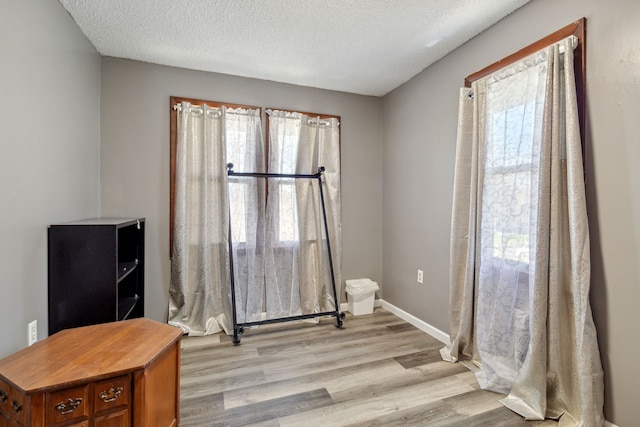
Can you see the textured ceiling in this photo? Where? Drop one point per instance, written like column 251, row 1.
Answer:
column 367, row 47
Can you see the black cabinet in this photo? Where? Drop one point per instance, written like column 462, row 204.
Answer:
column 96, row 272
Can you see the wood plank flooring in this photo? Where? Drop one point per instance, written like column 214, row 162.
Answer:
column 377, row 371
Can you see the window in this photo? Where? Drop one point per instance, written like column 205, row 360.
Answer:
column 287, row 230
column 510, row 181
column 512, row 146
column 297, row 142
column 243, row 191
column 509, row 172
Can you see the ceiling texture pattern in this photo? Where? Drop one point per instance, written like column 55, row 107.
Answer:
column 366, row 47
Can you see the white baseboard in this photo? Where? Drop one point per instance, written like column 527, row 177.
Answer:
column 608, row 424
column 420, row 324
column 409, row 318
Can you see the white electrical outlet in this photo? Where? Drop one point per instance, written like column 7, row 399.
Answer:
column 420, row 275
column 33, row 332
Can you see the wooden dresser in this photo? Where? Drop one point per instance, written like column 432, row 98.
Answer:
column 114, row 374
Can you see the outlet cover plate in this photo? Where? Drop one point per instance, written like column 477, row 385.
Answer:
column 33, row 332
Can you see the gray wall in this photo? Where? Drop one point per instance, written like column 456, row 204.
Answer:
column 135, row 156
column 50, row 137
column 419, row 134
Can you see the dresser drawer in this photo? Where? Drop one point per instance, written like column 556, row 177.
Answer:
column 5, row 391
column 112, row 393
column 13, row 406
column 68, row 404
column 119, row 418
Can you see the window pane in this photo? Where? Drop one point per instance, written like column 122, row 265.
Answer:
column 288, row 212
column 514, row 111
column 237, row 200
column 283, row 153
column 508, row 180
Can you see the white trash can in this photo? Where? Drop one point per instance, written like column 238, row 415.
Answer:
column 360, row 295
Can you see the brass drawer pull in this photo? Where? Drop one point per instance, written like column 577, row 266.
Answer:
column 69, row 406
column 16, row 406
column 3, row 396
column 111, row 394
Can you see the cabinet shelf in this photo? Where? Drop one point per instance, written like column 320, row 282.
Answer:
column 126, row 268
column 126, row 306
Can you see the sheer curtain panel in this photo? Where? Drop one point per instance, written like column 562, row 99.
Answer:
column 245, row 150
column 520, row 267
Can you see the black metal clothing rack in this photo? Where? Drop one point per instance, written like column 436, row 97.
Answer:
column 238, row 328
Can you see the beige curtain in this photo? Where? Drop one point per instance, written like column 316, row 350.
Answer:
column 297, row 270
column 520, row 267
column 199, row 292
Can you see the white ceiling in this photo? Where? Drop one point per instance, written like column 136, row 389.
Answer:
column 367, row 47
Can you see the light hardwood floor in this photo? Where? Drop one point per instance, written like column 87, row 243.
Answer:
column 377, row 371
